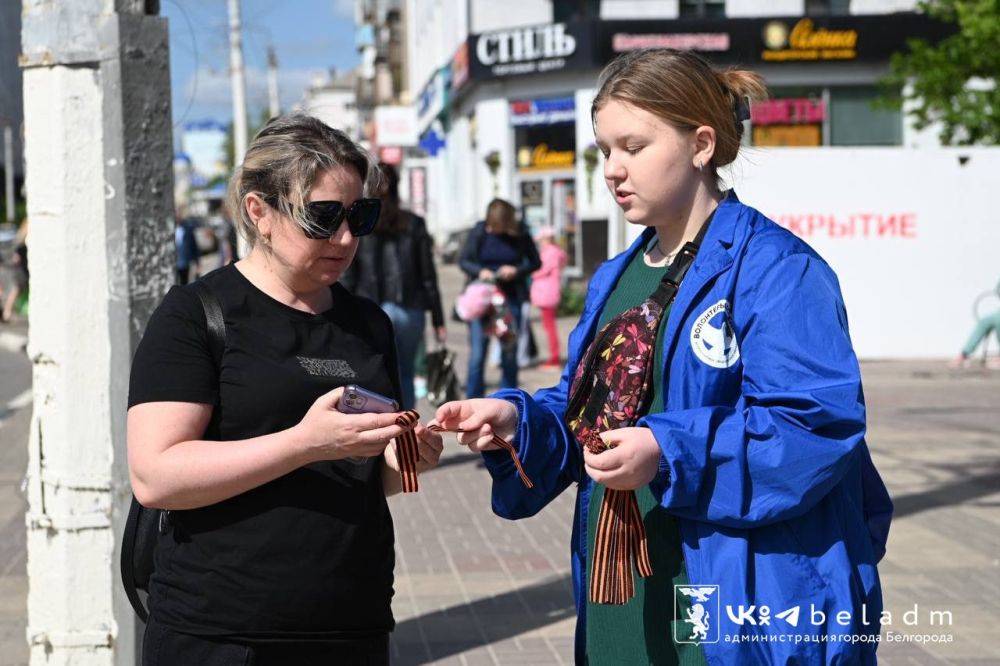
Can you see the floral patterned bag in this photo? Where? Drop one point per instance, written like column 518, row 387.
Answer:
column 611, row 390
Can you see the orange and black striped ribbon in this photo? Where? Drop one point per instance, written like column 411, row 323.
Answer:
column 408, row 453
column 620, row 541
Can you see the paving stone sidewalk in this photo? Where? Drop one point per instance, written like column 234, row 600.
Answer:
column 474, row 589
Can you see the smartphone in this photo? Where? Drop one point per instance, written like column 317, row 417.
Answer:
column 357, row 400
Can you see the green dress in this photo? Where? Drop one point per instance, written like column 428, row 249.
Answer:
column 641, row 631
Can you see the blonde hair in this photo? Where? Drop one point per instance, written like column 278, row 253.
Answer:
column 683, row 89
column 282, row 164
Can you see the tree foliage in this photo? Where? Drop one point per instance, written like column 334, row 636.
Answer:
column 953, row 83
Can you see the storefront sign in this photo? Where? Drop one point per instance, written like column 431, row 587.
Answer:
column 531, row 50
column 790, row 111
column 525, row 112
column 418, row 190
column 460, row 67
column 585, row 45
column 541, row 157
column 788, row 135
column 807, row 42
column 433, row 97
column 857, row 38
column 395, row 126
column 431, row 142
column 688, row 41
column 390, row 155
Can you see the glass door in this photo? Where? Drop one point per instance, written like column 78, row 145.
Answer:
column 550, row 200
column 565, row 221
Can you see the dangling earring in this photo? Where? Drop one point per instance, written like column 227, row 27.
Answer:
column 700, row 166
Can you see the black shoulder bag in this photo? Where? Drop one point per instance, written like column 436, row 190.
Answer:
column 144, row 526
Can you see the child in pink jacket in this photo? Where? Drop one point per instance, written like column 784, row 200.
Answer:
column 546, row 289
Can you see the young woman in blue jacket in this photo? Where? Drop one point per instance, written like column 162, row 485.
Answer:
column 764, row 514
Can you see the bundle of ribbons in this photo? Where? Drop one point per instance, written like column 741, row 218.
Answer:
column 611, row 389
column 406, row 446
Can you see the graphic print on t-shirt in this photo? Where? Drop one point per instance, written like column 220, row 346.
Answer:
column 327, row 367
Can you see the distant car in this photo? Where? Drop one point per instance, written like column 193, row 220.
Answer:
column 452, row 246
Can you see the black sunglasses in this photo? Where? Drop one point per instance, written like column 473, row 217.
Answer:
column 324, row 217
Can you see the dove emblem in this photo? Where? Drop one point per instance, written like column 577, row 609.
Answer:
column 713, row 339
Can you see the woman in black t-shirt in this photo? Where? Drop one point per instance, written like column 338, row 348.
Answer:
column 280, row 547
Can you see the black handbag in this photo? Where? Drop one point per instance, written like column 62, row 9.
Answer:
column 442, row 382
column 144, row 526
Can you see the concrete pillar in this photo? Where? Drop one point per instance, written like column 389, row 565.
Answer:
column 99, row 184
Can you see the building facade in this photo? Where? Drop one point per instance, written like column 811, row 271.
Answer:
column 333, row 99
column 382, row 76
column 503, row 91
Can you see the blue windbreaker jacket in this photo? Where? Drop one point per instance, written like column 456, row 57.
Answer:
column 764, row 459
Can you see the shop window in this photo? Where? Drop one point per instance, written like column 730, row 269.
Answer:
column 575, row 10
column 703, row 8
column 827, row 7
column 854, row 121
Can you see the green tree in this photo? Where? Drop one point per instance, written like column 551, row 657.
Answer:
column 953, row 82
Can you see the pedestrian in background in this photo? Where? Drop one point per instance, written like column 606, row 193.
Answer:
column 395, row 268
column 499, row 249
column 986, row 325
column 188, row 254
column 546, row 289
column 17, row 274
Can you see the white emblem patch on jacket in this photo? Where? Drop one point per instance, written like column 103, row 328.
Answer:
column 712, row 338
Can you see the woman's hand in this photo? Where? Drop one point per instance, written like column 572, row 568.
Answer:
column 631, row 464
column 429, row 448
column 480, row 419
column 441, row 334
column 507, row 273
column 326, row 434
column 486, row 275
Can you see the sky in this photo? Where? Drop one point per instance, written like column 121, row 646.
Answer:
column 309, row 37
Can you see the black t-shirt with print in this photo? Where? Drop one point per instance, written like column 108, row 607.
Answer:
column 308, row 555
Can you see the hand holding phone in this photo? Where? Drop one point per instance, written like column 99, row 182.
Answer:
column 326, row 433
column 358, row 400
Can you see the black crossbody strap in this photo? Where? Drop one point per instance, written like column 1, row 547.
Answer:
column 127, row 561
column 667, row 289
column 214, row 319
column 143, row 524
